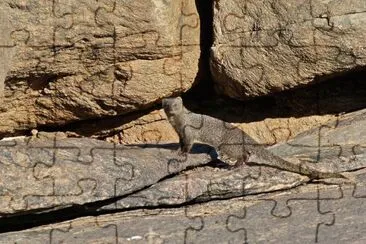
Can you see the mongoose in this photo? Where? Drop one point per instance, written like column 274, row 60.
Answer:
column 228, row 140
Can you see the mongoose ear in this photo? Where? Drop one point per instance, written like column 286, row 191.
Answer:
column 179, row 99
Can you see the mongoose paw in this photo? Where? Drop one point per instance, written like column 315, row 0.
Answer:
column 182, row 153
column 239, row 163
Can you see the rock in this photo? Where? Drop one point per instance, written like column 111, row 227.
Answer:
column 6, row 48
column 340, row 150
column 261, row 47
column 49, row 171
column 46, row 173
column 338, row 144
column 48, row 180
column 207, row 184
column 272, row 131
column 91, row 59
column 312, row 213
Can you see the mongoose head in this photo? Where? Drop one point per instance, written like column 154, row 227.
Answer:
column 172, row 106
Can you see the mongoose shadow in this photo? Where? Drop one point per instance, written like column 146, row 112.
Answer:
column 197, row 148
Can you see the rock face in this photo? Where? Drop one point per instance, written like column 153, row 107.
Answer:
column 261, row 47
column 310, row 214
column 87, row 59
column 59, row 172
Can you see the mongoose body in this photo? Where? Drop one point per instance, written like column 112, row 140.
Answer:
column 229, row 141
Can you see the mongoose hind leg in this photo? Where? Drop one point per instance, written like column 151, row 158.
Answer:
column 234, row 163
column 184, row 147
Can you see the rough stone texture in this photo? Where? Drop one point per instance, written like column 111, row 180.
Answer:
column 88, row 59
column 275, row 130
column 41, row 175
column 261, row 47
column 59, row 172
column 55, row 172
column 6, row 49
column 207, row 184
column 342, row 138
column 324, row 214
column 335, row 147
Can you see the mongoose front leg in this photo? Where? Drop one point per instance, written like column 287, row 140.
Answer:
column 242, row 161
column 183, row 148
column 186, row 142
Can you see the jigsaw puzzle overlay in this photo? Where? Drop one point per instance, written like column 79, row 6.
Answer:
column 55, row 173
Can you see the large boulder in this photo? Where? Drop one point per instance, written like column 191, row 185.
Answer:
column 261, row 47
column 86, row 59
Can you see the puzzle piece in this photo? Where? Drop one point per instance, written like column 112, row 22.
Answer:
column 61, row 172
column 137, row 227
column 15, row 165
column 347, row 202
column 177, row 65
column 6, row 49
column 53, row 17
column 277, row 131
column 280, row 218
column 178, row 224
column 93, row 233
column 213, row 229
column 9, row 41
column 85, row 170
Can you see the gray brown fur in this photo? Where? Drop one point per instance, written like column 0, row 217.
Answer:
column 229, row 141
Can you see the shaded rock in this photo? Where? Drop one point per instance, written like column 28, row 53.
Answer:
column 135, row 128
column 87, row 59
column 153, row 127
column 261, row 47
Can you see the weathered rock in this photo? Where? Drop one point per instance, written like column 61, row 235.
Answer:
column 88, row 59
column 312, row 213
column 338, row 144
column 261, row 47
column 207, row 184
column 276, row 130
column 56, row 173
column 44, row 174
column 6, row 49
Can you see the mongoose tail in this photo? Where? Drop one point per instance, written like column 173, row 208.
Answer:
column 268, row 159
